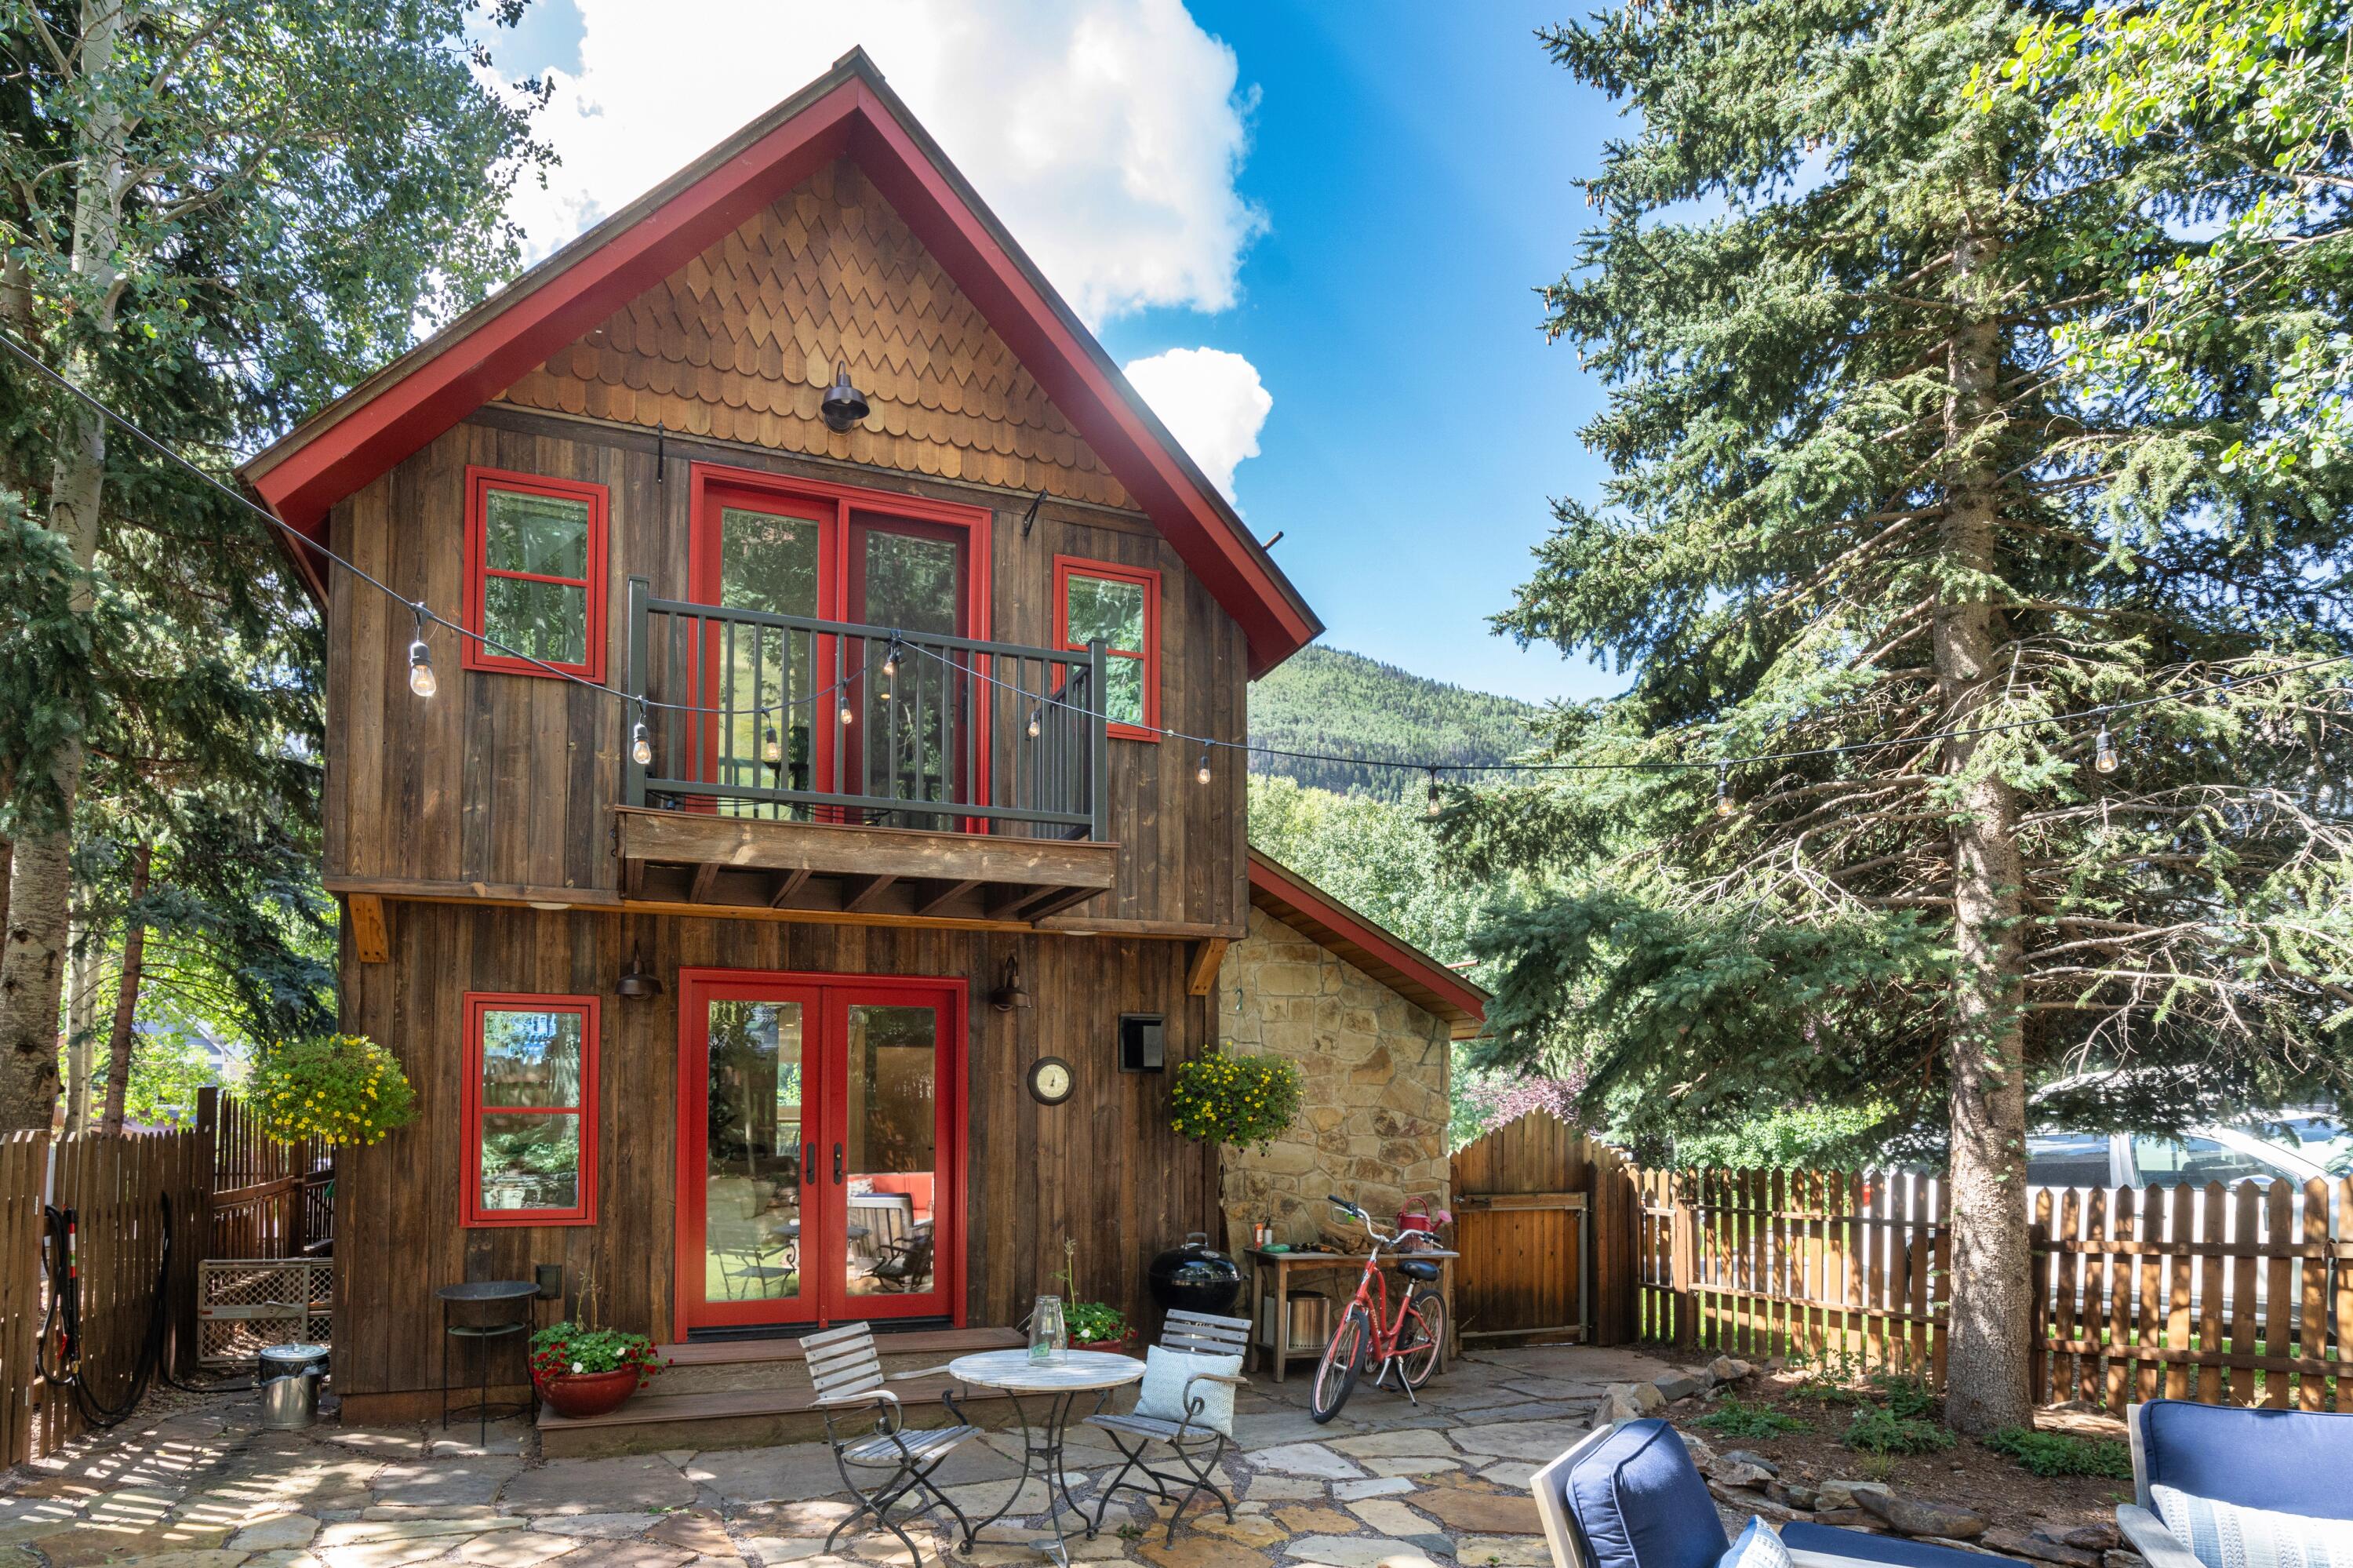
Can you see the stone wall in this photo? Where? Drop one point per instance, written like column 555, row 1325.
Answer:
column 1372, row 1123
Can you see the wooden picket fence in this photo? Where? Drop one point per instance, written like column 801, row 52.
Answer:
column 2227, row 1295
column 270, row 1198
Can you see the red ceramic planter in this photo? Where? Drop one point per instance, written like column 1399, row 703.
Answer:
column 578, row 1394
column 1122, row 1346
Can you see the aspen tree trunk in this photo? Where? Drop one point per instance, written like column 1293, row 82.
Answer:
column 40, row 875
column 126, row 995
column 81, row 1023
column 1987, row 1357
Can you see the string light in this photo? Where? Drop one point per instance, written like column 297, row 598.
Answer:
column 641, row 741
column 2104, row 750
column 891, row 657
column 772, row 752
column 1035, row 715
column 421, row 679
column 847, row 717
column 1432, row 808
column 1723, row 790
column 1202, row 772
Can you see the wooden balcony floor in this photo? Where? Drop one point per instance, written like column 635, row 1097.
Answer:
column 741, row 862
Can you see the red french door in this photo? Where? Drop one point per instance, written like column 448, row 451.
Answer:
column 820, row 1149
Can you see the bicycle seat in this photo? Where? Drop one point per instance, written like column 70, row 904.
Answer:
column 1413, row 1268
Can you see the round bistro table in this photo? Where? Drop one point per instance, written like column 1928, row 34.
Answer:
column 1063, row 1385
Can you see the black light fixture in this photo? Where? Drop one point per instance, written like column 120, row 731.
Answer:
column 1008, row 993
column 844, row 405
column 635, row 980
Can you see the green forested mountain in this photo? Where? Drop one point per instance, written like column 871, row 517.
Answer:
column 1322, row 699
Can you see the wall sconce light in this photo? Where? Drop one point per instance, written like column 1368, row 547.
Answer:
column 844, row 405
column 635, row 980
column 1008, row 993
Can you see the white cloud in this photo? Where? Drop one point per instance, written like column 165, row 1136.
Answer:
column 1211, row 402
column 1105, row 134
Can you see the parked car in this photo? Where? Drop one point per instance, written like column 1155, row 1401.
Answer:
column 2297, row 1146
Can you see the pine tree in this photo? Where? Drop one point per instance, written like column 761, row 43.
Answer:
column 1859, row 495
column 215, row 215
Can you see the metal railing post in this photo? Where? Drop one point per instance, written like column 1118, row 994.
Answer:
column 633, row 773
column 1099, row 743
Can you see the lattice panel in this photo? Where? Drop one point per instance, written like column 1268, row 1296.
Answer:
column 740, row 343
column 246, row 1304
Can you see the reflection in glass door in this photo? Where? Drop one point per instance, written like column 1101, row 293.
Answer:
column 908, row 576
column 770, row 557
column 754, row 1121
column 891, row 1082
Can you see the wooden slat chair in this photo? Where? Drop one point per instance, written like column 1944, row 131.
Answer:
column 1196, row 1444
column 848, row 1376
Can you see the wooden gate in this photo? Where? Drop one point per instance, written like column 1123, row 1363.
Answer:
column 1523, row 1224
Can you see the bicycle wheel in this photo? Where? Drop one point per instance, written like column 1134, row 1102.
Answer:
column 1423, row 1338
column 1343, row 1356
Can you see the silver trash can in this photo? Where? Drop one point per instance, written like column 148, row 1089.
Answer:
column 289, row 1378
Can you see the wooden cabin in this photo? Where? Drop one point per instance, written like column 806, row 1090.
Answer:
column 722, row 968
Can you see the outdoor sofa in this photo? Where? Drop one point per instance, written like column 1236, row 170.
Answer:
column 2288, row 1461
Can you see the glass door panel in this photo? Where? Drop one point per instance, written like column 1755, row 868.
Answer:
column 891, row 1144
column 755, row 1116
column 763, row 680
column 908, row 576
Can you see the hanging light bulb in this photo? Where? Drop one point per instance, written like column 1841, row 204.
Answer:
column 641, row 741
column 1202, row 772
column 891, row 658
column 847, row 717
column 1723, row 790
column 772, row 750
column 1034, row 715
column 1432, row 807
column 421, row 679
column 2104, row 750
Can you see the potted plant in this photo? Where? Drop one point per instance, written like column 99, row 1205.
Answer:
column 344, row 1088
column 1093, row 1325
column 1242, row 1100
column 581, row 1369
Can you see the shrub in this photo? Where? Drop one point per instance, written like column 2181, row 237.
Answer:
column 2057, row 1453
column 1876, row 1429
column 345, row 1088
column 1906, row 1395
column 1241, row 1100
column 1735, row 1419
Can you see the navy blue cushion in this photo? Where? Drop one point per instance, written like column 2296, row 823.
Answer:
column 2293, row 1461
column 1639, row 1501
column 1799, row 1536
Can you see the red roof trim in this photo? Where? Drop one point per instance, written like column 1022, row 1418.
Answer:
column 1283, row 886
column 849, row 110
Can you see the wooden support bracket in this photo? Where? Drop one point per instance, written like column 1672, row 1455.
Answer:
column 860, row 892
column 370, row 937
column 1208, row 954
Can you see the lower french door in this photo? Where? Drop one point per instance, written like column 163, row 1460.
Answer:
column 820, row 1149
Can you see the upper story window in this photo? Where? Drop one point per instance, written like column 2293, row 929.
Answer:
column 534, row 573
column 530, row 1111
column 1121, row 606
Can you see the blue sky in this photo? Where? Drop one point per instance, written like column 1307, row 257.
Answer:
column 1409, row 171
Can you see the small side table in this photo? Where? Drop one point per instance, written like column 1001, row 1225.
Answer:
column 486, row 1293
column 1271, row 1275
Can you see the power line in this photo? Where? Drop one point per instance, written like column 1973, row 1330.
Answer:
column 425, row 682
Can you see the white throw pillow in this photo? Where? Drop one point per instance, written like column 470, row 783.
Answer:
column 2224, row 1535
column 1755, row 1547
column 1163, row 1393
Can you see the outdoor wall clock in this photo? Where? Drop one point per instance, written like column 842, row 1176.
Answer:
column 1051, row 1082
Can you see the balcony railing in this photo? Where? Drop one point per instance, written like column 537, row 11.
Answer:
column 789, row 719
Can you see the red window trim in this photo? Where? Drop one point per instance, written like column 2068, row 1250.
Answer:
column 1067, row 566
column 477, row 655
column 479, row 1002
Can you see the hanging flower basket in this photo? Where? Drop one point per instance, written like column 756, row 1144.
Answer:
column 1242, row 1100
column 344, row 1088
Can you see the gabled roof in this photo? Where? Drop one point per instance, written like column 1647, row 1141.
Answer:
column 1372, row 947
column 850, row 112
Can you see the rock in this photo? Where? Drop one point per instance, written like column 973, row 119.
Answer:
column 1917, row 1516
column 2091, row 1536
column 1681, row 1385
column 1702, row 1455
column 1801, row 1497
column 2018, row 1543
column 1618, row 1405
column 2124, row 1560
column 1846, row 1517
column 1732, row 1472
column 1464, row 1510
column 1728, row 1369
column 1749, row 1501
column 1751, row 1457
column 1649, row 1395
column 1843, row 1493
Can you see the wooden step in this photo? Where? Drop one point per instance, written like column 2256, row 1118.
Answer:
column 758, row 1416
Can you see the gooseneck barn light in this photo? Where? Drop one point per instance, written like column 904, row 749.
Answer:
column 844, row 405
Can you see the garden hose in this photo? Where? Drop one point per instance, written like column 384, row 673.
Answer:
column 58, row 1352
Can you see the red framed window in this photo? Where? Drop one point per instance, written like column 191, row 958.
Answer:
column 530, row 1112
column 534, row 573
column 1120, row 605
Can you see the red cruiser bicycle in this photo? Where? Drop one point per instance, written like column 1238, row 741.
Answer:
column 1408, row 1345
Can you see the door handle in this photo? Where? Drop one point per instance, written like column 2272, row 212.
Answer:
column 837, row 1165
column 808, row 1159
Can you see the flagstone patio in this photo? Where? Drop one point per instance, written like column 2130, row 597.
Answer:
column 1387, row 1485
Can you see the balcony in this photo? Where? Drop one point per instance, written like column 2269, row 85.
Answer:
column 827, row 768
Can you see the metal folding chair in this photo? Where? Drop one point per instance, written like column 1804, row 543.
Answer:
column 848, row 1376
column 1196, row 1447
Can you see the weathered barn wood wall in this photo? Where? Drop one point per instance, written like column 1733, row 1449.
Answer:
column 508, row 779
column 1103, row 1168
